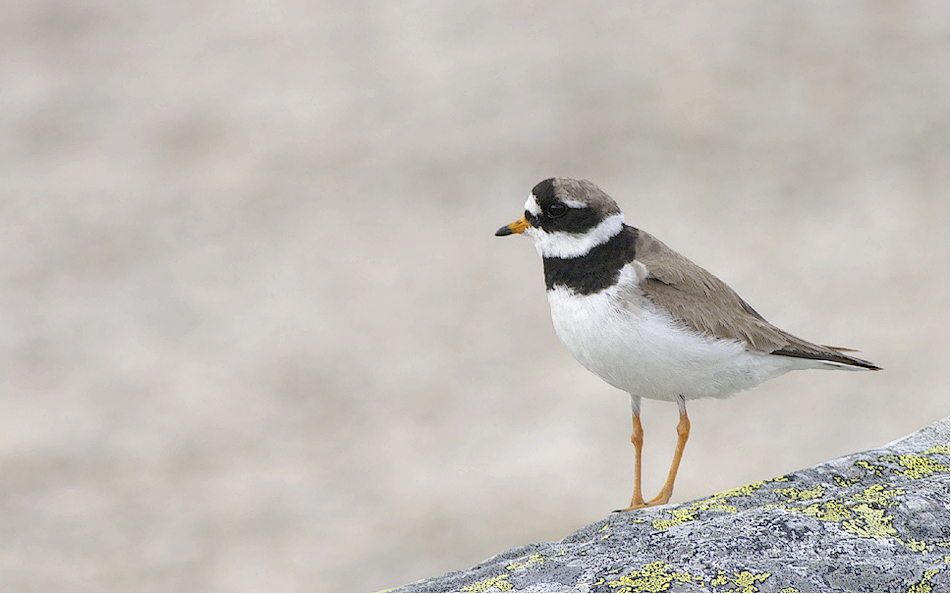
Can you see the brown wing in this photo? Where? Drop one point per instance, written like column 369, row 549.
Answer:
column 707, row 305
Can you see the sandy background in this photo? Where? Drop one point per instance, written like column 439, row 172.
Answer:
column 256, row 332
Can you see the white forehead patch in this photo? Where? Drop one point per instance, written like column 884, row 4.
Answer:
column 531, row 205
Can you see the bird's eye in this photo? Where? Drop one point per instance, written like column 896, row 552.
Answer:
column 556, row 209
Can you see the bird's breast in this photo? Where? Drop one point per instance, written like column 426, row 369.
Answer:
column 632, row 344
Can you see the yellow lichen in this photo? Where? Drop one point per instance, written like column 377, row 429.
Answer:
column 830, row 511
column 916, row 545
column 844, row 482
column 747, row 489
column 744, row 581
column 533, row 559
column 714, row 502
column 873, row 468
column 800, row 494
column 870, row 523
column 498, row 582
column 654, row 577
column 919, row 467
column 863, row 515
column 878, row 494
column 925, row 584
column 681, row 516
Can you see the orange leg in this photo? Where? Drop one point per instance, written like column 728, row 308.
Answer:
column 683, row 432
column 637, row 438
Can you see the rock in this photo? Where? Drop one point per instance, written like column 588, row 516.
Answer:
column 874, row 521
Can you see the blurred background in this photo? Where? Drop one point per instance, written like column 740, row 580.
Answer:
column 256, row 332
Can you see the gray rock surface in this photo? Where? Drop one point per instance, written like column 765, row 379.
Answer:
column 873, row 521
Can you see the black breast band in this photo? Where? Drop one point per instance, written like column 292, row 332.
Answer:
column 596, row 270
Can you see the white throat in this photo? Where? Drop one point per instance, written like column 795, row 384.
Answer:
column 561, row 244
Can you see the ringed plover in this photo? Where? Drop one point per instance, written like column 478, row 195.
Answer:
column 647, row 320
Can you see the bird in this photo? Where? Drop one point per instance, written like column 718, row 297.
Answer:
column 647, row 320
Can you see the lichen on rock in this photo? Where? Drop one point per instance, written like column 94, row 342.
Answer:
column 873, row 521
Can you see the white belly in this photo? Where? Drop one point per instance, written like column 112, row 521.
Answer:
column 638, row 349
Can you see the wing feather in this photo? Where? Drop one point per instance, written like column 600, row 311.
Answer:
column 705, row 304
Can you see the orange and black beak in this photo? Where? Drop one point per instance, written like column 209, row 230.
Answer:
column 517, row 227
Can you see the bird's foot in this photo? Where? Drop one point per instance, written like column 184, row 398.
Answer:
column 661, row 499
